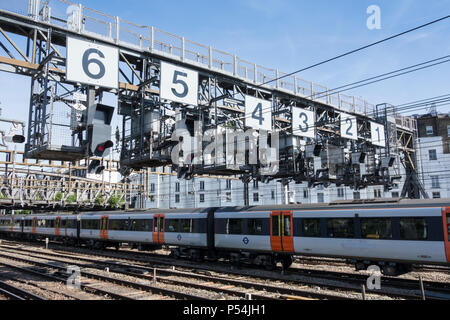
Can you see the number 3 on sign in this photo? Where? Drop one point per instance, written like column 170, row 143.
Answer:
column 349, row 127
column 258, row 113
column 303, row 123
column 93, row 64
column 179, row 84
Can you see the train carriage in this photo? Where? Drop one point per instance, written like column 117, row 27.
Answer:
column 392, row 235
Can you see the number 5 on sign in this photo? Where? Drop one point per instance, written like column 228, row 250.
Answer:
column 93, row 64
column 303, row 123
column 179, row 84
column 258, row 113
column 378, row 135
column 349, row 127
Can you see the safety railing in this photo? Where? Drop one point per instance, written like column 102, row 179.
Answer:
column 88, row 21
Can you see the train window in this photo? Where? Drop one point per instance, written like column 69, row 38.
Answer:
column 413, row 229
column 287, row 226
column 172, row 225
column 376, row 228
column 276, row 226
column 448, row 225
column 340, row 228
column 311, row 228
column 90, row 224
column 71, row 224
column 119, row 225
column 186, row 226
column 255, row 226
column 63, row 223
column 234, row 226
column 142, row 225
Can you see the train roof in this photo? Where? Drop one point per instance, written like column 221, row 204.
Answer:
column 356, row 204
column 351, row 204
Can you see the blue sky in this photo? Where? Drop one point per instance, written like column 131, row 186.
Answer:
column 292, row 34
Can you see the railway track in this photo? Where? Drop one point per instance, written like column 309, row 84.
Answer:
column 231, row 287
column 15, row 293
column 433, row 290
column 100, row 285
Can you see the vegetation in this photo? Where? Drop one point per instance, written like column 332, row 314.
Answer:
column 71, row 199
column 58, row 196
column 116, row 201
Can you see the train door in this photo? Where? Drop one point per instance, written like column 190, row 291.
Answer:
column 33, row 225
column 281, row 231
column 158, row 228
column 446, row 222
column 58, row 226
column 104, row 221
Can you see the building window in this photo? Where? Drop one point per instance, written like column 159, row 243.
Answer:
column 152, row 198
column 430, row 130
column 273, row 195
column 228, row 184
column 152, row 187
column 356, row 196
column 436, row 195
column 320, row 198
column 377, row 193
column 202, row 185
column 256, row 197
column 177, row 198
column 202, row 198
column 305, row 193
column 177, row 187
column 340, row 192
column 435, row 182
column 229, row 197
column 255, row 185
column 432, row 154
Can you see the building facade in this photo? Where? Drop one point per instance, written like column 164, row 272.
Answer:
column 434, row 154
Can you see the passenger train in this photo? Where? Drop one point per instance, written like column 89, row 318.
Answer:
column 393, row 236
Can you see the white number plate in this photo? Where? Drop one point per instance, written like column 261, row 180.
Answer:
column 258, row 113
column 349, row 127
column 303, row 123
column 92, row 64
column 378, row 134
column 179, row 84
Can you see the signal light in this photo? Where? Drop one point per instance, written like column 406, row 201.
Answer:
column 102, row 147
column 15, row 138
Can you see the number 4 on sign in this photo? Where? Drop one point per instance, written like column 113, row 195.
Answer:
column 258, row 113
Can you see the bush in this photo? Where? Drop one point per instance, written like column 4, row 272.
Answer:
column 71, row 199
column 58, row 196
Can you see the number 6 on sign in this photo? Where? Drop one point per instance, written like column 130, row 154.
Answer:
column 179, row 84
column 92, row 63
column 303, row 123
column 258, row 113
